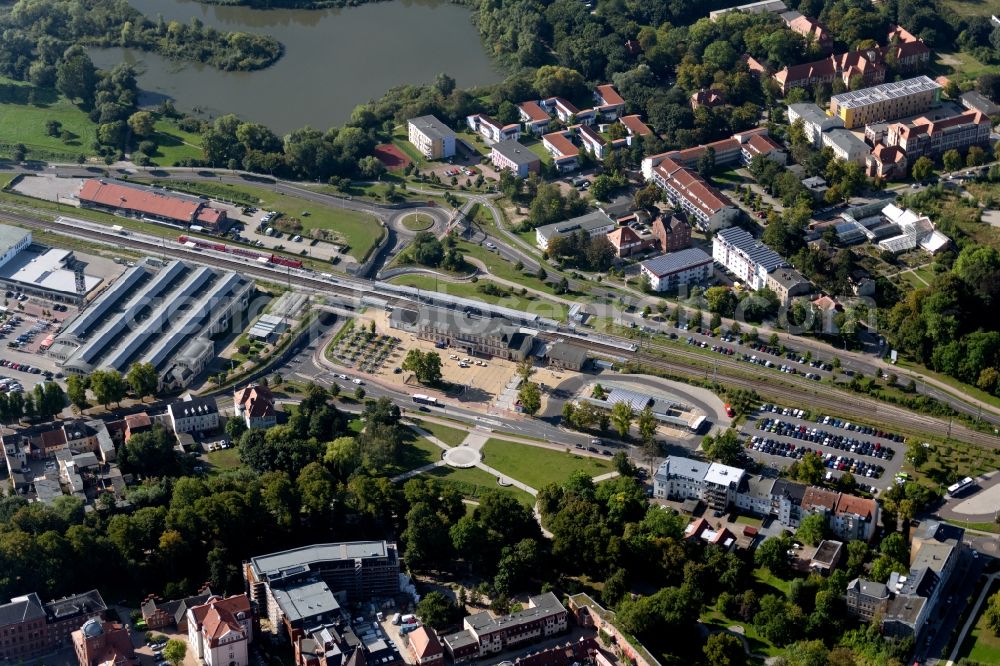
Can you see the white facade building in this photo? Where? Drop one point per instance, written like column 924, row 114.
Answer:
column 745, row 257
column 193, row 415
column 221, row 630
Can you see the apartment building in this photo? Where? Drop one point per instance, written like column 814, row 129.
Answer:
column 193, row 415
column 157, row 613
column 788, row 283
column 596, row 223
column 686, row 478
column 866, row 598
column 672, row 233
column 846, row 145
column 849, row 517
column 536, row 119
column 683, row 267
column 705, row 205
column 762, row 7
column 608, row 103
column 492, row 131
column 933, row 137
column 627, row 242
column 866, row 66
column 911, row 54
column 425, row 648
column 472, row 335
column 635, row 127
column 887, row 101
column 430, row 136
column 565, row 154
column 220, row 631
column 29, row 628
column 514, row 156
column 760, row 144
column 815, row 121
column 484, row 634
column 745, row 257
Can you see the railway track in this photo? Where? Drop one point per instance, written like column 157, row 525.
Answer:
column 786, row 389
column 792, row 391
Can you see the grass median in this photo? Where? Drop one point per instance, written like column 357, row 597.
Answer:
column 538, row 466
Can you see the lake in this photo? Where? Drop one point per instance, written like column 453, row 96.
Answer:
column 334, row 59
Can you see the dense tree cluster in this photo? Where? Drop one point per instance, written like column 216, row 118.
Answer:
column 581, row 250
column 948, row 326
column 426, row 250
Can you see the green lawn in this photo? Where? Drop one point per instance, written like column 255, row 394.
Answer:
column 537, row 466
column 748, row 520
column 24, row 110
column 174, row 144
column 536, row 146
column 473, row 482
column 958, row 65
column 415, row 453
column 223, row 460
column 418, row 222
column 768, row 583
column 974, row 7
column 982, row 645
column 400, row 138
column 448, row 435
column 758, row 645
column 359, row 231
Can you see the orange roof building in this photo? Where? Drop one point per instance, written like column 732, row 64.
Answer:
column 256, row 404
column 220, row 630
column 635, row 126
column 138, row 201
column 425, row 646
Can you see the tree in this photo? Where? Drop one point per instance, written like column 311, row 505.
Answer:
column 317, row 488
column 916, row 452
column 706, row 163
column 76, row 390
column 141, row 123
column 557, row 81
column 724, row 649
column 952, row 160
column 602, row 187
column 174, row 651
column 108, row 386
column 992, row 613
column 425, row 365
column 647, row 424
column 724, row 448
column 809, row 469
column 975, row 157
column 530, row 397
column 76, row 75
column 437, row 610
column 621, row 416
column 773, row 554
column 812, row 529
column 143, row 379
column 922, row 168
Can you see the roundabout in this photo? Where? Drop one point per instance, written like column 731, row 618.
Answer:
column 462, row 457
column 417, row 221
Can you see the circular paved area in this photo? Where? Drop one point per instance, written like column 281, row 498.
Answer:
column 462, row 456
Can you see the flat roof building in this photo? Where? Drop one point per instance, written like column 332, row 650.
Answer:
column 978, row 102
column 885, row 102
column 762, row 7
column 12, row 241
column 746, row 257
column 595, row 223
column 430, row 136
column 515, row 157
column 815, row 120
column 669, row 271
column 50, row 273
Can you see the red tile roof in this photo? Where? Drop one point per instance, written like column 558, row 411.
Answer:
column 534, row 112
column 588, row 132
column 211, row 216
column 760, row 144
column 690, row 185
column 859, row 506
column 216, row 618
column 138, row 200
column 818, row 497
column 609, row 95
column 256, row 400
column 623, row 236
column 424, row 643
column 559, row 141
column 140, row 420
column 635, row 125
column 53, row 438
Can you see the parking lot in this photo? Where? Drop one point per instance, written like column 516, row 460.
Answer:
column 777, row 436
column 25, row 332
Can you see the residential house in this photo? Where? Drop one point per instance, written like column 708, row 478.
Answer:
column 431, row 137
column 846, row 146
column 886, row 101
column 755, row 495
column 812, row 30
column 136, row 423
column 849, row 517
column 745, row 257
column 569, row 114
column 515, row 157
column 536, row 120
column 786, row 502
column 48, row 443
column 565, row 154
column 707, row 98
column 702, row 530
column 543, row 617
column 673, row 233
column 492, row 131
column 591, row 141
column 635, row 127
column 626, row 242
column 886, row 162
column 158, row 614
column 674, row 269
column 99, row 643
column 255, row 404
column 815, row 121
column 866, row 598
column 817, row 187
column 425, row 648
column 193, row 415
column 609, row 104
column 220, row 631
column 596, row 223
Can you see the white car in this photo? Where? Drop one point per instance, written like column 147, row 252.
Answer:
column 357, row 381
column 490, row 246
column 341, row 376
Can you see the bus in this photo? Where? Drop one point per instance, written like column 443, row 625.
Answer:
column 421, row 399
column 963, row 486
